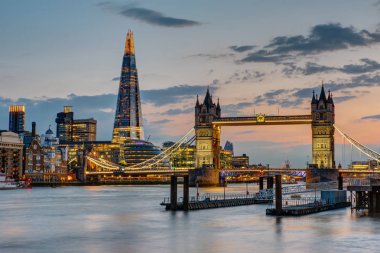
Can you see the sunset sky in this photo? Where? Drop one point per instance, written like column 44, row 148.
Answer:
column 261, row 56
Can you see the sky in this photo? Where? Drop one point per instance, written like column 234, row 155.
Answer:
column 257, row 56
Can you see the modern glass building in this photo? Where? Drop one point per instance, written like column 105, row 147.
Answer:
column 74, row 130
column 138, row 151
column 128, row 116
column 16, row 118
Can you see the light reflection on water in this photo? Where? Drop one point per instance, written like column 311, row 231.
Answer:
column 130, row 219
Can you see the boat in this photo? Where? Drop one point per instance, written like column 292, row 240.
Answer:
column 7, row 184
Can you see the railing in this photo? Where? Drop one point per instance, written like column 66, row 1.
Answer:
column 299, row 202
column 359, row 182
column 261, row 195
column 309, row 187
column 364, row 182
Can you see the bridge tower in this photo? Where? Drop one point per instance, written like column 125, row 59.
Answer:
column 322, row 126
column 207, row 139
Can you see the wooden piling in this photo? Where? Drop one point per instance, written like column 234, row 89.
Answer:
column 186, row 193
column 173, row 193
column 278, row 195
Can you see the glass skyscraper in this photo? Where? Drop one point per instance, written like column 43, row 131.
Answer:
column 16, row 118
column 128, row 116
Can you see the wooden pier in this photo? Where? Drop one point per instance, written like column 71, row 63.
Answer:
column 217, row 203
column 208, row 201
column 307, row 209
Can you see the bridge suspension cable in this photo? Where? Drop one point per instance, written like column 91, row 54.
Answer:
column 362, row 148
column 170, row 150
column 187, row 139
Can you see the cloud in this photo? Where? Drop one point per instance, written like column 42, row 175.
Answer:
column 178, row 111
column 240, row 49
column 344, row 91
column 322, row 38
column 145, row 15
column 368, row 66
column 211, row 56
column 310, row 68
column 117, row 78
column 107, row 110
column 155, row 18
column 245, row 75
column 174, row 94
column 160, row 122
column 372, row 117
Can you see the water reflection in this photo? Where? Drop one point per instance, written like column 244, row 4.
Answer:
column 130, row 219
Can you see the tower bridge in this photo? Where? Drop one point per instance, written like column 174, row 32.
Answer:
column 209, row 123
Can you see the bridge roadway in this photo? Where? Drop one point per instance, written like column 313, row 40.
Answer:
column 263, row 120
column 185, row 171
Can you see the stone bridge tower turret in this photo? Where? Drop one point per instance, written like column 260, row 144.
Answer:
column 206, row 137
column 323, row 119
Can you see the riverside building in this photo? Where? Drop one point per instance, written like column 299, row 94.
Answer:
column 10, row 154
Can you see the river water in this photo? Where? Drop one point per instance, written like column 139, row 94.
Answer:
column 130, row 219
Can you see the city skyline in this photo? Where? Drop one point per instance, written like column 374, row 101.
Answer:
column 270, row 70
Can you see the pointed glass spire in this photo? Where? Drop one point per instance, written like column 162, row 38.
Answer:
column 128, row 115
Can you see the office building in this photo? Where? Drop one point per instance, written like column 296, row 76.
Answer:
column 74, row 130
column 16, row 118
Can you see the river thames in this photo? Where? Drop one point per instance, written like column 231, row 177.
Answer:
column 130, row 219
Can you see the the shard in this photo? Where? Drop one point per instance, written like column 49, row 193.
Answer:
column 128, row 116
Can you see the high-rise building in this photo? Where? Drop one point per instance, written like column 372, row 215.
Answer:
column 64, row 122
column 74, row 130
column 229, row 146
column 84, row 130
column 128, row 116
column 16, row 118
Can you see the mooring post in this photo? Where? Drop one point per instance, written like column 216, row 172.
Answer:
column 173, row 193
column 269, row 182
column 340, row 181
column 278, row 195
column 261, row 183
column 371, row 206
column 186, row 193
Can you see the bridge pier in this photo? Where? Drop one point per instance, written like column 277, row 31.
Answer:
column 261, row 183
column 173, row 192
column 186, row 193
column 340, row 182
column 278, row 195
column 270, row 182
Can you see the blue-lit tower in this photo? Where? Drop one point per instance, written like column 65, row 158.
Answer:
column 128, row 116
